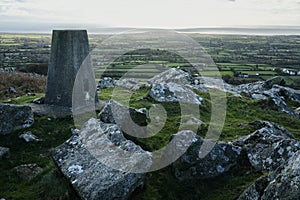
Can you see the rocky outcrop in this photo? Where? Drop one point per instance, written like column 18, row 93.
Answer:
column 283, row 185
column 4, row 153
column 286, row 184
column 14, row 118
column 205, row 84
column 172, row 75
column 268, row 89
column 219, row 160
column 255, row 191
column 268, row 147
column 106, row 82
column 173, row 92
column 100, row 163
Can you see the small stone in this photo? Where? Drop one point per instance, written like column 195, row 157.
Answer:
column 29, row 137
column 27, row 171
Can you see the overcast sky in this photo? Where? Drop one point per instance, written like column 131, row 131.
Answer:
column 153, row 13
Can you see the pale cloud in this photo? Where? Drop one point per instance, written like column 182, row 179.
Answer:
column 157, row 13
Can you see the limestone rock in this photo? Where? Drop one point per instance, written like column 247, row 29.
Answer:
column 27, row 171
column 131, row 84
column 14, row 118
column 4, row 153
column 255, row 191
column 287, row 182
column 172, row 75
column 12, row 90
column 122, row 113
column 106, row 82
column 173, row 92
column 29, row 137
column 98, row 162
column 269, row 147
column 220, row 159
column 278, row 80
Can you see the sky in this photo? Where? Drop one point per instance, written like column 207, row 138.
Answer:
column 151, row 13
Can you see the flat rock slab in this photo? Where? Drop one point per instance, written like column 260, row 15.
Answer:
column 86, row 161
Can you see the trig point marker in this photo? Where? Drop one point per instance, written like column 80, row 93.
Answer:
column 69, row 50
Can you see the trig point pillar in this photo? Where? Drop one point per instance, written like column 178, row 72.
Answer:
column 69, row 49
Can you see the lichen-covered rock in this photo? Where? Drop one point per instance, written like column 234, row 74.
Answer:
column 106, row 82
column 131, row 84
column 114, row 112
column 287, row 183
column 204, row 84
column 99, row 162
column 278, row 94
column 220, row 159
column 284, row 184
column 13, row 117
column 27, row 171
column 4, row 153
column 255, row 191
column 269, row 147
column 172, row 75
column 173, row 92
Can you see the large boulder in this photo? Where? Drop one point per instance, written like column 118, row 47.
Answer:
column 283, row 185
column 100, row 163
column 13, row 117
column 115, row 112
column 173, row 92
column 268, row 147
column 172, row 75
column 286, row 184
column 130, row 84
column 192, row 164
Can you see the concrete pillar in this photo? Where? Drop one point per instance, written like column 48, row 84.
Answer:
column 69, row 50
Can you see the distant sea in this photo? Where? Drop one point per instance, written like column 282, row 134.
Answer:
column 94, row 29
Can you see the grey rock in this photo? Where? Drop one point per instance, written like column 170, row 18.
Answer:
column 99, row 162
column 40, row 100
column 287, row 182
column 27, row 171
column 131, row 84
column 29, row 137
column 12, row 90
column 278, row 94
column 255, row 191
column 4, row 153
column 173, row 92
column 297, row 111
column 282, row 185
column 269, row 147
column 172, row 75
column 14, row 118
column 205, row 84
column 106, row 82
column 219, row 160
column 114, row 111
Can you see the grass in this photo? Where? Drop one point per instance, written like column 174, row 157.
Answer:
column 49, row 184
column 23, row 83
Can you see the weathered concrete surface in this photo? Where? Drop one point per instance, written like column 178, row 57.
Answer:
column 69, row 50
